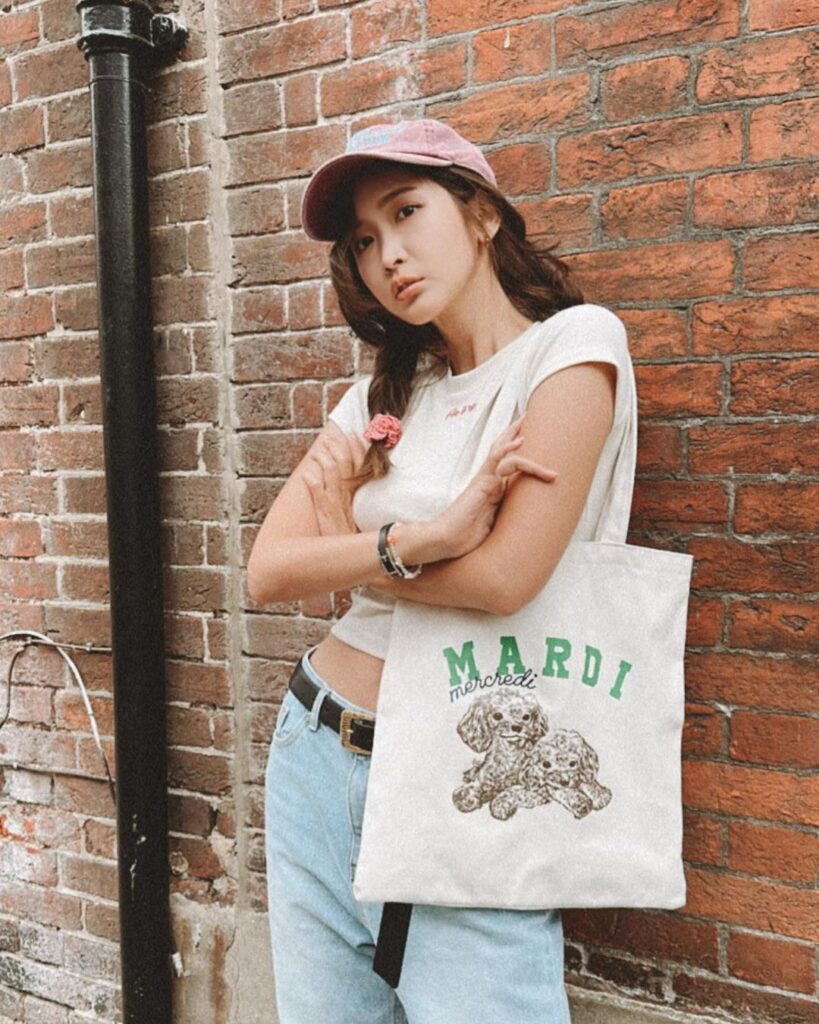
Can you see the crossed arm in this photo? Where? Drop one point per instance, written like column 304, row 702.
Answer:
column 492, row 549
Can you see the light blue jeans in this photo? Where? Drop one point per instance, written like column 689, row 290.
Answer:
column 461, row 965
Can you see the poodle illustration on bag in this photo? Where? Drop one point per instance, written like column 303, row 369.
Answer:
column 524, row 764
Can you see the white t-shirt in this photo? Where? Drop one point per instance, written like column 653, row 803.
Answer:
column 449, row 426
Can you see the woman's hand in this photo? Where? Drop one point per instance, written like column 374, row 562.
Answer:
column 332, row 475
column 467, row 521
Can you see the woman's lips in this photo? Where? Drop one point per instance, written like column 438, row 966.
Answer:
column 409, row 290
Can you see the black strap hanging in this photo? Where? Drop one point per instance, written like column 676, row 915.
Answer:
column 392, row 941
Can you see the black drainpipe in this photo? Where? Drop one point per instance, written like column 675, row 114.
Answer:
column 123, row 43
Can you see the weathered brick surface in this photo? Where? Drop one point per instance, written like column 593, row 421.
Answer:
column 667, row 149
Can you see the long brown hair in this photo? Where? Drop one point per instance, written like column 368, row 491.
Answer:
column 537, row 282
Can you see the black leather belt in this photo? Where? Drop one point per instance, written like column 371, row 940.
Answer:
column 355, row 728
column 356, row 731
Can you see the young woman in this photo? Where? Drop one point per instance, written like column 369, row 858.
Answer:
column 454, row 474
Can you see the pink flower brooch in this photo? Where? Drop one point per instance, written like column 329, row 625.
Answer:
column 383, row 427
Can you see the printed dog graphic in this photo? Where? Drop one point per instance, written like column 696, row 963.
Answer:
column 506, row 725
column 560, row 767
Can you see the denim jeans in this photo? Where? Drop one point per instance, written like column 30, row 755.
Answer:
column 461, row 965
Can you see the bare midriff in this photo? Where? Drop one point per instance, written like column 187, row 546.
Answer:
column 353, row 674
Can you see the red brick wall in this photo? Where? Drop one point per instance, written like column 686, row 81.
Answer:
column 670, row 147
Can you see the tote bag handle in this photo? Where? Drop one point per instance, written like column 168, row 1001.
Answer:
column 614, row 518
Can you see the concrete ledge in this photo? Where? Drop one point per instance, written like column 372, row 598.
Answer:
column 600, row 1008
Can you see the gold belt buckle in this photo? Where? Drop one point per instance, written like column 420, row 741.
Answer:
column 346, row 729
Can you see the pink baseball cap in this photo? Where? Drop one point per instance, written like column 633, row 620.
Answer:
column 423, row 141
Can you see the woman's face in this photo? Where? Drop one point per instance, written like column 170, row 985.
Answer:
column 415, row 249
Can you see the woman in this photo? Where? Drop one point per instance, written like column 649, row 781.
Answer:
column 488, row 366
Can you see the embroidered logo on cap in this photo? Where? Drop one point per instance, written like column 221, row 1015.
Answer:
column 367, row 138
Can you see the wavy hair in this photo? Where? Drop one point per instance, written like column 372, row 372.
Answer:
column 537, row 282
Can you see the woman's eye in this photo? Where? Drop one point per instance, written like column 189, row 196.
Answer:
column 360, row 244
column 404, row 209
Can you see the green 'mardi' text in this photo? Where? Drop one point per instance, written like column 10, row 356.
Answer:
column 559, row 661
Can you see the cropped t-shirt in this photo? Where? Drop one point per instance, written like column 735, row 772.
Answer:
column 449, row 426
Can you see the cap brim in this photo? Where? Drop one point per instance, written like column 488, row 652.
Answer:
column 322, row 216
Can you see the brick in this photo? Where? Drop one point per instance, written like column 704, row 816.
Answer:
column 779, row 323
column 275, row 51
column 65, row 263
column 773, row 625
column 193, row 498
column 376, row 27
column 767, row 906
column 678, row 505
column 12, row 275
column 724, row 564
column 566, row 222
column 281, row 154
column 22, row 223
column 405, row 75
column 25, row 315
column 304, row 305
column 702, row 731
column 770, row 961
column 655, row 24
column 295, row 8
column 29, row 580
column 702, row 839
column 18, row 30
column 777, row 14
column 202, row 684
column 201, row 773
column 40, row 903
column 734, row 789
column 255, row 310
column 30, row 704
column 69, row 117
column 788, row 386
column 271, row 454
column 782, row 261
column 260, row 406
column 180, row 91
column 299, row 99
column 15, row 452
column 78, row 539
column 309, row 354
column 674, row 389
column 26, row 864
column 35, row 495
column 645, row 87
column 703, row 994
column 15, row 364
column 66, row 166
column 760, row 67
column 255, row 210
column 39, row 943
column 779, row 508
column 21, row 128
column 59, row 69
column 753, row 448
column 92, row 959
column 5, row 83
column 250, row 14
column 181, row 198
column 791, row 741
column 95, row 877
column 102, row 920
column 513, row 52
column 59, row 22
column 280, row 637
column 655, row 333
column 190, row 589
column 783, row 131
column 651, row 147
column 671, row 270
column 38, row 747
column 777, row 195
column 783, row 853
column 444, row 17
column 193, row 295
column 646, row 211
column 521, row 168
column 504, row 112
column 277, row 260
column 20, row 539
column 72, row 215
column 252, row 107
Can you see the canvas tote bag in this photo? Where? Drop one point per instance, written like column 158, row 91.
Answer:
column 532, row 761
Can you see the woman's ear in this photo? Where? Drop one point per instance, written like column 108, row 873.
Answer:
column 488, row 216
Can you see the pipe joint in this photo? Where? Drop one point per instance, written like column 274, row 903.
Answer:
column 108, row 25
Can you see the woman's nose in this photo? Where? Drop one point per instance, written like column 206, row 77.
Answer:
column 391, row 253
